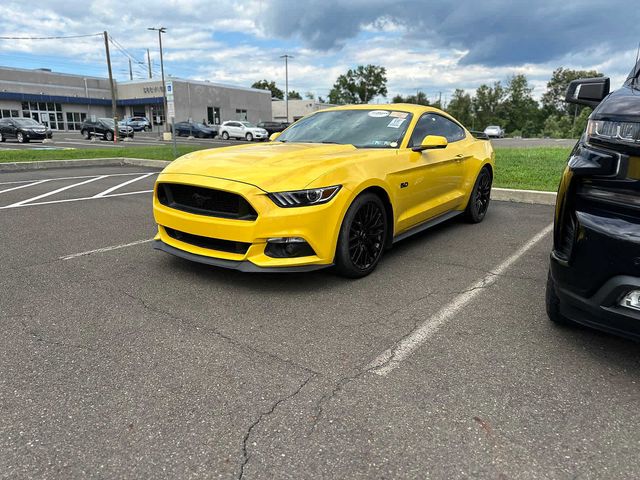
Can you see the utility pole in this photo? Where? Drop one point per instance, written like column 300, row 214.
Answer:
column 149, row 63
column 130, row 71
column 286, row 83
column 160, row 31
column 113, row 90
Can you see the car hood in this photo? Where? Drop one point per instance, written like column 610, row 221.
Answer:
column 621, row 105
column 271, row 166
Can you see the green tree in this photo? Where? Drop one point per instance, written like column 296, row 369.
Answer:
column 420, row 98
column 553, row 99
column 519, row 110
column 269, row 85
column 359, row 85
column 460, row 107
column 293, row 95
column 487, row 105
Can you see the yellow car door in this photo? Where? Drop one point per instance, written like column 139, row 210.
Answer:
column 429, row 183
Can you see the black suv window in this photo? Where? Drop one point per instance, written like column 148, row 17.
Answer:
column 434, row 124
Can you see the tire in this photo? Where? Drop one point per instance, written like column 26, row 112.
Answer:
column 362, row 237
column 249, row 137
column 553, row 304
column 21, row 138
column 147, row 129
column 108, row 136
column 200, row 135
column 479, row 198
column 85, row 134
column 225, row 136
column 2, row 139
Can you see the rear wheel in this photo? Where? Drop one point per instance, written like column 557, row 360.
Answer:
column 2, row 139
column 225, row 136
column 553, row 303
column 362, row 237
column 480, row 197
column 249, row 137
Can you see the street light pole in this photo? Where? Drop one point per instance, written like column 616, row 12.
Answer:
column 286, row 83
column 160, row 31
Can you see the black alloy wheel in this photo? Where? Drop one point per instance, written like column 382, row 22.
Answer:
column 362, row 237
column 480, row 197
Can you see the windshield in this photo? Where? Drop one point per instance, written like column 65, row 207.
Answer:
column 107, row 121
column 26, row 122
column 360, row 128
column 248, row 125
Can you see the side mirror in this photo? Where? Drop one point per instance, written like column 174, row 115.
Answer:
column 431, row 142
column 273, row 136
column 588, row 91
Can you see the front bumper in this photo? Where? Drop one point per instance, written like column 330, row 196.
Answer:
column 37, row 135
column 601, row 310
column 317, row 225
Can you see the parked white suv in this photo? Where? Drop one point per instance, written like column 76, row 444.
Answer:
column 241, row 129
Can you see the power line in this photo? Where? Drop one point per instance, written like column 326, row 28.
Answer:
column 51, row 38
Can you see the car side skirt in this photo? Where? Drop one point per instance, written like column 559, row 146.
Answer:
column 427, row 224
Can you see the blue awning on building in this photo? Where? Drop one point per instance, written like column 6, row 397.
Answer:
column 34, row 97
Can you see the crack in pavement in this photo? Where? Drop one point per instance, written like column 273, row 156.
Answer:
column 261, row 417
column 219, row 334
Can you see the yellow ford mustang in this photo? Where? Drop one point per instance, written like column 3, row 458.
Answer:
column 337, row 187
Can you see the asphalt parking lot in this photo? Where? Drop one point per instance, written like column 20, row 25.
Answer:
column 119, row 361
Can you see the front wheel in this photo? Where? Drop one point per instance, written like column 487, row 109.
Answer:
column 108, row 136
column 85, row 134
column 480, row 197
column 249, row 137
column 225, row 136
column 21, row 138
column 362, row 237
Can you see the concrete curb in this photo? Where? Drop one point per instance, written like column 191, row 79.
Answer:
column 500, row 194
column 523, row 196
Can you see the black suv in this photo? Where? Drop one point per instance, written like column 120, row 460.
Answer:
column 104, row 128
column 594, row 278
column 23, row 130
column 273, row 127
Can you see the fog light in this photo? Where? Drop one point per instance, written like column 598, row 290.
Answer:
column 288, row 247
column 631, row 300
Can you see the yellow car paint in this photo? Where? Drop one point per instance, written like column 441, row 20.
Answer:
column 418, row 186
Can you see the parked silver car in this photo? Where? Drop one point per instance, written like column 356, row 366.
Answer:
column 243, row 130
column 494, row 131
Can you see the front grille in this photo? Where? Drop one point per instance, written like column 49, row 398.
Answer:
column 207, row 242
column 205, row 201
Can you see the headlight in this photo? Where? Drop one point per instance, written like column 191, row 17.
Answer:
column 304, row 198
column 626, row 132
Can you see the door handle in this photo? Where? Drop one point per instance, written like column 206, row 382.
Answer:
column 459, row 157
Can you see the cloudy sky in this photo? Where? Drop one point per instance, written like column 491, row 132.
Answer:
column 431, row 45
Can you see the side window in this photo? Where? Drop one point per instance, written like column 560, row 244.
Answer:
column 433, row 124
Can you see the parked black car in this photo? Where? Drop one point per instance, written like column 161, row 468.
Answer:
column 104, row 128
column 23, row 130
column 594, row 277
column 273, row 127
column 199, row 130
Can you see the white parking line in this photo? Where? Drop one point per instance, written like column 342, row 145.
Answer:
column 58, row 190
column 67, row 200
column 104, row 249
column 392, row 357
column 120, row 185
column 77, row 178
column 24, row 186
